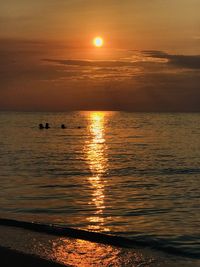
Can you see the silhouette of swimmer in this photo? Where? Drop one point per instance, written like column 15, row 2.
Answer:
column 47, row 125
column 63, row 126
column 79, row 127
column 41, row 126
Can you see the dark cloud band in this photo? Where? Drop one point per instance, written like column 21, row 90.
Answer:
column 184, row 61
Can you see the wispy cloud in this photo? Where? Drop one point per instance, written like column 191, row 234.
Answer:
column 97, row 69
column 146, row 56
column 139, row 81
column 92, row 63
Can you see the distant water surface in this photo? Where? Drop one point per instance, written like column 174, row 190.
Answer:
column 131, row 174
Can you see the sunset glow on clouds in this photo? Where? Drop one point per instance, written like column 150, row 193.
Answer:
column 149, row 62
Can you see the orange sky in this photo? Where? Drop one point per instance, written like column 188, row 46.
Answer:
column 149, row 62
column 139, row 24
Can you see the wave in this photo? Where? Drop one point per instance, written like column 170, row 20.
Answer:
column 115, row 240
column 148, row 172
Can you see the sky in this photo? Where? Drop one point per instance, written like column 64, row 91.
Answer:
column 150, row 60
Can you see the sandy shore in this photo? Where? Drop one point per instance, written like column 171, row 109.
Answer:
column 9, row 257
column 27, row 248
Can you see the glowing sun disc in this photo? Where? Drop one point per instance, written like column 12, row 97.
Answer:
column 98, row 42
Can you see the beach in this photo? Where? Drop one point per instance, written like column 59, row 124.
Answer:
column 30, row 248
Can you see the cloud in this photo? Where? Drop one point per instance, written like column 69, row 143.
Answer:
column 145, row 57
column 96, row 69
column 92, row 63
column 135, row 81
column 183, row 61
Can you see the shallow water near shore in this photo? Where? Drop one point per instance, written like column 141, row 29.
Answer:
column 30, row 248
column 131, row 174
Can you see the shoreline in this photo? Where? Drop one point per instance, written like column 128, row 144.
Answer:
column 38, row 248
column 97, row 237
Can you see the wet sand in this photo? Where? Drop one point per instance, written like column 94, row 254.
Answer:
column 9, row 257
column 27, row 248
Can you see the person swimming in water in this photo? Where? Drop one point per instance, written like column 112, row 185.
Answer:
column 41, row 126
column 63, row 126
column 47, row 125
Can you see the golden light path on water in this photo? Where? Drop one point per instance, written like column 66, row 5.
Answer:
column 95, row 150
column 96, row 157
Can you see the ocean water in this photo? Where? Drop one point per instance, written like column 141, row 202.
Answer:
column 131, row 174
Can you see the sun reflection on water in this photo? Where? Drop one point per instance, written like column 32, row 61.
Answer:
column 97, row 160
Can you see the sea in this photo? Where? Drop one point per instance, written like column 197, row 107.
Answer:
column 135, row 175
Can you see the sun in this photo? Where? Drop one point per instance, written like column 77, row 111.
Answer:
column 98, row 41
